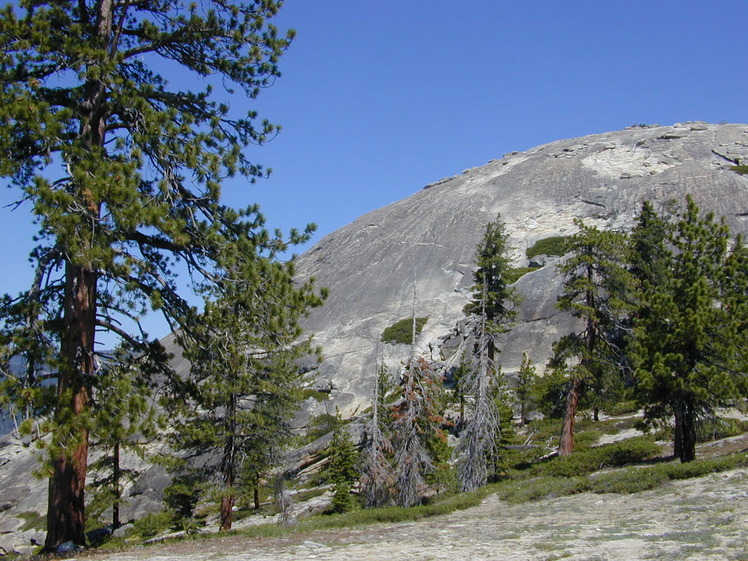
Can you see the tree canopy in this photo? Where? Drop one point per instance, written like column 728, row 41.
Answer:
column 689, row 338
column 123, row 170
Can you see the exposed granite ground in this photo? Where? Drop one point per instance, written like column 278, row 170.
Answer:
column 701, row 519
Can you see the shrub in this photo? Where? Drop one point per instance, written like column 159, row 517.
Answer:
column 717, row 428
column 622, row 408
column 401, row 332
column 542, row 487
column 153, row 524
column 617, row 454
column 555, row 245
column 631, row 480
column 515, row 273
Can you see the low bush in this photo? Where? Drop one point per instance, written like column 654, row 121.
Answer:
column 542, row 487
column 717, row 428
column 401, row 332
column 622, row 408
column 617, row 454
column 555, row 245
column 152, row 524
column 515, row 273
column 627, row 481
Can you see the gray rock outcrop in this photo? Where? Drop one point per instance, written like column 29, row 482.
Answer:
column 370, row 265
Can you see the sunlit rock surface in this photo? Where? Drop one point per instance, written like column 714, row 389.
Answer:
column 429, row 239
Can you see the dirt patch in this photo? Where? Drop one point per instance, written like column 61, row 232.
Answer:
column 704, row 519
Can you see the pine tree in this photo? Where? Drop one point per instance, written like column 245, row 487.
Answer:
column 595, row 290
column 493, row 304
column 125, row 419
column 526, row 390
column 415, row 420
column 342, row 468
column 492, row 293
column 122, row 171
column 247, row 383
column 689, row 341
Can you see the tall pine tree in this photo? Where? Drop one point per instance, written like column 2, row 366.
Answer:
column 595, row 290
column 689, row 337
column 122, row 170
column 243, row 363
column 493, row 305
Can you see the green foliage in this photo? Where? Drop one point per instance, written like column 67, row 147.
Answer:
column 596, row 289
column 741, row 169
column 492, row 294
column 401, row 332
column 542, row 487
column 619, row 408
column 125, row 418
column 246, row 384
column 516, row 273
column 623, row 481
column 583, row 461
column 554, row 245
column 341, row 469
column 526, row 391
column 181, row 498
column 32, row 520
column 320, row 425
column 716, row 428
column 389, row 514
column 152, row 524
column 122, row 171
column 689, row 344
column 552, row 389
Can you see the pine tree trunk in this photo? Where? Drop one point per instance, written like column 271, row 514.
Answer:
column 685, row 433
column 66, row 517
column 566, row 445
column 229, row 467
column 66, row 509
column 116, row 473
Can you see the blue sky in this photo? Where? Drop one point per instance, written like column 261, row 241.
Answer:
column 380, row 98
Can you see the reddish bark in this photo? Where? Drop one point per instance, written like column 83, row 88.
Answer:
column 66, row 510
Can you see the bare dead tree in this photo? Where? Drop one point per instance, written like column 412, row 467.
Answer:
column 376, row 472
column 477, row 451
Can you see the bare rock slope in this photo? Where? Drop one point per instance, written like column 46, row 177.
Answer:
column 370, row 265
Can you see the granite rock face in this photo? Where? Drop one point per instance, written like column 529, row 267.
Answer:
column 371, row 265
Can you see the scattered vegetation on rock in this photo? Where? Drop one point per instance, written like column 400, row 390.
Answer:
column 401, row 332
column 554, row 245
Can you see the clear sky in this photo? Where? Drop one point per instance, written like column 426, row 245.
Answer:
column 380, row 98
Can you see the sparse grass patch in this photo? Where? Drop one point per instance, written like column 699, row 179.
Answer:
column 515, row 273
column 32, row 520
